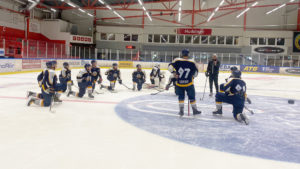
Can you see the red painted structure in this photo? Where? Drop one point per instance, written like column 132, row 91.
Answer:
column 15, row 42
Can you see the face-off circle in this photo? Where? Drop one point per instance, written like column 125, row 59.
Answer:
column 273, row 132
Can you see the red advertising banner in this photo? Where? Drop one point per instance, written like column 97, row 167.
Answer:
column 31, row 64
column 81, row 39
column 189, row 31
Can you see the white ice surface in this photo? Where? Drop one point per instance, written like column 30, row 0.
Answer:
column 90, row 135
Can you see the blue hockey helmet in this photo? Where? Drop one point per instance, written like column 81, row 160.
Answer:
column 93, row 61
column 185, row 52
column 114, row 64
column 236, row 74
column 234, row 68
column 87, row 65
column 54, row 62
column 138, row 65
column 49, row 64
column 65, row 64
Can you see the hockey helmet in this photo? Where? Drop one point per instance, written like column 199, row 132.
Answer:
column 234, row 68
column 65, row 64
column 54, row 62
column 93, row 61
column 138, row 66
column 236, row 74
column 114, row 64
column 49, row 64
column 185, row 52
column 86, row 66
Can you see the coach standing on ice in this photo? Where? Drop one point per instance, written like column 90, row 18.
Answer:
column 213, row 73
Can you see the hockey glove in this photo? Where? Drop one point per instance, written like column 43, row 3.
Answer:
column 167, row 87
column 100, row 81
column 120, row 81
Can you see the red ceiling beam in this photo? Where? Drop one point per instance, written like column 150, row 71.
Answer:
column 133, row 16
column 93, row 3
column 174, row 22
column 224, row 8
column 83, row 2
column 217, row 17
column 172, row 7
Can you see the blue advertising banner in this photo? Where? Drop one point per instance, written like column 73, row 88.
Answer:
column 227, row 67
column 263, row 69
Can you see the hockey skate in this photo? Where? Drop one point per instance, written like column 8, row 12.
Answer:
column 181, row 112
column 91, row 96
column 242, row 118
column 29, row 93
column 56, row 99
column 218, row 112
column 196, row 112
column 70, row 93
column 210, row 94
column 30, row 101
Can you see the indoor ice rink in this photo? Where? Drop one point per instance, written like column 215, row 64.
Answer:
column 129, row 129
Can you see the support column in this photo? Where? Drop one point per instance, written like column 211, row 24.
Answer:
column 193, row 14
column 46, row 49
column 245, row 17
column 298, row 18
column 27, row 27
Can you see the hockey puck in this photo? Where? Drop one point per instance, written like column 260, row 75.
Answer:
column 291, row 101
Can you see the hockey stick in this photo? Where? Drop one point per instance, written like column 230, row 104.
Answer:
column 159, row 91
column 204, row 89
column 251, row 111
column 126, row 86
column 51, row 105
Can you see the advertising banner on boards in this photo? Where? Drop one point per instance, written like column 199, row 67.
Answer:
column 261, row 69
column 296, row 42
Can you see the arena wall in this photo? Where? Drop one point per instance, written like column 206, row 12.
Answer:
column 30, row 65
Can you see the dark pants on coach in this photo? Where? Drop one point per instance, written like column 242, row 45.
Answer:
column 214, row 78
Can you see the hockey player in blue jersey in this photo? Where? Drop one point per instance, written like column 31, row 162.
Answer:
column 234, row 94
column 96, row 74
column 232, row 69
column 113, row 74
column 138, row 78
column 50, row 65
column 186, row 71
column 40, row 79
column 65, row 78
column 48, row 85
column 84, row 80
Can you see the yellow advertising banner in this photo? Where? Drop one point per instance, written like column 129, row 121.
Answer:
column 125, row 64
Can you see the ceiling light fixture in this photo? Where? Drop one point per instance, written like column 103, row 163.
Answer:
column 215, row 11
column 246, row 10
column 147, row 13
column 179, row 10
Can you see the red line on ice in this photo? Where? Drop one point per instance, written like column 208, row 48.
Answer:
column 75, row 101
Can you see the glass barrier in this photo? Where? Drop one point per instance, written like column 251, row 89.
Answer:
column 200, row 57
